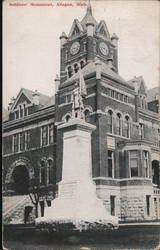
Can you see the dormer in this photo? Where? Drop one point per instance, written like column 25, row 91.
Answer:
column 76, row 30
column 26, row 103
column 141, row 90
column 102, row 30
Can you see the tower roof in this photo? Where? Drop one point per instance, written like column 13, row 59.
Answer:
column 88, row 18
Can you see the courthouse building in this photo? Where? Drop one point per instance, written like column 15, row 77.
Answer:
column 125, row 144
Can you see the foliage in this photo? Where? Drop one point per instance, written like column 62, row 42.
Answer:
column 72, row 225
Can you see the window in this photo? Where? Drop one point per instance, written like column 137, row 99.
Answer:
column 121, row 97
column 109, row 92
column 67, row 118
column 22, row 141
column 156, row 172
column 146, row 164
column 76, row 68
column 25, row 110
column 51, row 133
column 116, row 95
column 141, row 130
column 110, row 164
column 110, row 121
column 112, row 93
column 82, row 64
column 119, row 124
column 148, row 204
column 15, row 143
column 69, row 71
column 87, row 115
column 21, row 111
column 27, row 139
column 134, row 163
column 42, row 173
column 50, row 171
column 125, row 98
column 49, row 203
column 68, row 98
column 112, row 204
column 44, row 135
column 126, row 129
column 16, row 114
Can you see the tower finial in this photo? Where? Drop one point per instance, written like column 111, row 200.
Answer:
column 89, row 8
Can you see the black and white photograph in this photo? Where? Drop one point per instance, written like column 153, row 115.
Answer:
column 80, row 125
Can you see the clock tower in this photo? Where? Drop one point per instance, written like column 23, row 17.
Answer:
column 86, row 41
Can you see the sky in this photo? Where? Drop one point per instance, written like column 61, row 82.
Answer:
column 31, row 45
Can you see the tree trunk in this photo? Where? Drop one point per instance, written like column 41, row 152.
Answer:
column 36, row 210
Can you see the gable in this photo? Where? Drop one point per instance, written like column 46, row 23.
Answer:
column 102, row 29
column 75, row 31
column 103, row 32
column 76, row 28
column 142, row 88
column 22, row 98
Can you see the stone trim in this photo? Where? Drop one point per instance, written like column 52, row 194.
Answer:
column 29, row 127
column 21, row 161
column 116, row 100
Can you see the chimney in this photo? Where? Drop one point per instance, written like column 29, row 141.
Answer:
column 56, row 83
column 35, row 98
column 10, row 104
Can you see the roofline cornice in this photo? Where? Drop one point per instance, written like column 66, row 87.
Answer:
column 29, row 119
column 118, row 81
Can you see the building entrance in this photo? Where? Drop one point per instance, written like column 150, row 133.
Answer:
column 20, row 177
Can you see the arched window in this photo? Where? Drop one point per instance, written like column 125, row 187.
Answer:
column 118, row 124
column 67, row 118
column 50, row 171
column 42, row 173
column 141, row 130
column 70, row 72
column 21, row 111
column 126, row 128
column 76, row 68
column 82, row 64
column 25, row 110
column 87, row 115
column 112, row 93
column 110, row 121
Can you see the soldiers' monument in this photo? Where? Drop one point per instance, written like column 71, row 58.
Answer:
column 77, row 202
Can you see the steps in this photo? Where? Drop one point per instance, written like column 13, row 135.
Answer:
column 13, row 208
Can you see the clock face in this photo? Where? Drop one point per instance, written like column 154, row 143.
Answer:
column 75, row 48
column 104, row 48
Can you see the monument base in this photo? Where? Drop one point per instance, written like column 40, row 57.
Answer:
column 77, row 202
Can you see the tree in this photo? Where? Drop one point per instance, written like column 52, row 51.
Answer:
column 36, row 191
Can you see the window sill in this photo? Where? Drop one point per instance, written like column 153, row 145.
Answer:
column 119, row 136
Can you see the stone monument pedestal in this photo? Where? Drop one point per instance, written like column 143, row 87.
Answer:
column 77, row 200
